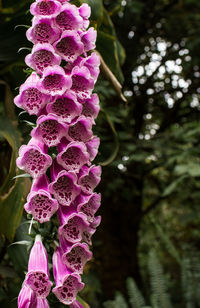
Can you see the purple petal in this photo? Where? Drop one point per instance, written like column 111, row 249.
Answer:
column 73, row 156
column 89, row 178
column 92, row 147
column 42, row 303
column 45, row 8
column 82, row 82
column 89, row 39
column 64, row 188
column 80, row 130
column 65, row 107
column 69, row 18
column 33, row 160
column 41, row 205
column 91, row 107
column 26, row 298
column 49, row 130
column 37, row 277
column 76, row 257
column 74, row 227
column 42, row 55
column 89, row 205
column 42, row 31
column 55, row 81
column 30, row 97
column 69, row 47
column 76, row 304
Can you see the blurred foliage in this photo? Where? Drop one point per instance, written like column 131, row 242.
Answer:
column 149, row 152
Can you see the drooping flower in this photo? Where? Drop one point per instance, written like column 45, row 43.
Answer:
column 89, row 178
column 67, row 283
column 69, row 46
column 42, row 56
column 30, row 97
column 37, row 277
column 54, row 81
column 45, row 8
column 40, row 202
column 65, row 107
column 69, row 18
column 33, row 158
column 73, row 155
column 80, row 130
column 49, row 130
column 64, row 187
column 75, row 256
column 42, row 31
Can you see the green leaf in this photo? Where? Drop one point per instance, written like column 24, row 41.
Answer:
column 11, row 198
column 172, row 187
column 109, row 47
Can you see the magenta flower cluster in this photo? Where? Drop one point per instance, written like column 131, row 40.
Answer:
column 59, row 93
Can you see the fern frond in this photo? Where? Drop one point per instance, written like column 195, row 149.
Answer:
column 160, row 297
column 135, row 297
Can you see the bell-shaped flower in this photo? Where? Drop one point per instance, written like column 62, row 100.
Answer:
column 75, row 256
column 88, row 39
column 80, row 130
column 37, row 277
column 30, row 97
column 72, row 226
column 89, row 178
column 42, row 31
column 65, row 107
column 64, row 187
column 69, row 18
column 26, row 298
column 85, row 12
column 42, row 56
column 67, row 284
column 72, row 156
column 82, row 82
column 91, row 107
column 39, row 201
column 54, row 81
column 49, row 130
column 69, row 46
column 33, row 158
column 88, row 205
column 92, row 63
column 92, row 147
column 45, row 8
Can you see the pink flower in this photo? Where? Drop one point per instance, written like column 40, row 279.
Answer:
column 49, row 130
column 67, row 283
column 64, row 187
column 89, row 39
column 85, row 12
column 91, row 107
column 30, row 97
column 69, row 18
column 69, row 46
column 42, row 31
column 72, row 226
column 45, row 8
column 54, row 81
column 82, row 82
column 42, row 56
column 33, row 159
column 39, row 201
column 88, row 205
column 73, row 156
column 92, row 147
column 65, row 107
column 37, row 277
column 89, row 178
column 75, row 256
column 80, row 130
